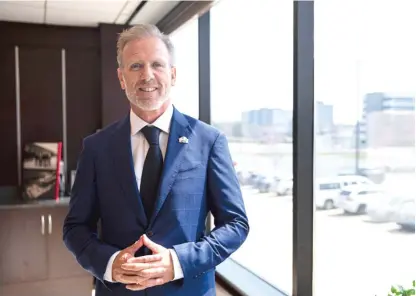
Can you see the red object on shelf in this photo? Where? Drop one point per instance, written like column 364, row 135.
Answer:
column 58, row 171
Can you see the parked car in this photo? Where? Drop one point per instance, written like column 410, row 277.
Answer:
column 383, row 209
column 243, row 177
column 354, row 199
column 266, row 183
column 327, row 190
column 250, row 178
column 284, row 186
column 404, row 214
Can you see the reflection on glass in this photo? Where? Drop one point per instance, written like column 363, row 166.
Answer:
column 186, row 90
column 365, row 88
column 251, row 90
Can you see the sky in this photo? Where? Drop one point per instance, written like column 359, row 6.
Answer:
column 360, row 47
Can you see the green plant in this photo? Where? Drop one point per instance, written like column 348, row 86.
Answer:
column 400, row 291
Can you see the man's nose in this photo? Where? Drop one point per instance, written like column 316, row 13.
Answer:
column 147, row 73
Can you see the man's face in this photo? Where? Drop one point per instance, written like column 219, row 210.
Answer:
column 146, row 74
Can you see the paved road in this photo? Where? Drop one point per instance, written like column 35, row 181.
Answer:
column 352, row 256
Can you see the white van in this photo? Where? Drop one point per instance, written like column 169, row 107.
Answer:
column 327, row 190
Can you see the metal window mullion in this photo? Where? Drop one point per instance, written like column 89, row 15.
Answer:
column 204, row 77
column 303, row 148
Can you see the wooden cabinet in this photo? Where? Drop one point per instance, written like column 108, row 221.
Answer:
column 63, row 287
column 61, row 263
column 23, row 252
column 33, row 257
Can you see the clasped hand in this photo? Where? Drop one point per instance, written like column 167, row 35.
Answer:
column 139, row 273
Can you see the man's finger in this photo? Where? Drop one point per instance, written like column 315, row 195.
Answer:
column 135, row 287
column 154, row 247
column 146, row 284
column 120, row 271
column 153, row 282
column 139, row 266
column 145, row 259
column 137, row 245
column 130, row 279
column 126, row 256
column 153, row 272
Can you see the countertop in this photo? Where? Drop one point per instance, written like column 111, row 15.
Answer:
column 21, row 204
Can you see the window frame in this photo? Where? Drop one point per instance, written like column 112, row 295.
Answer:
column 231, row 272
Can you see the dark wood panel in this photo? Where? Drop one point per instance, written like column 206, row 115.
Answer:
column 83, row 99
column 22, row 246
column 114, row 101
column 41, row 95
column 8, row 154
column 46, row 36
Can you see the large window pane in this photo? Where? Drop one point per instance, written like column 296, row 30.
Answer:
column 252, row 90
column 365, row 85
column 185, row 92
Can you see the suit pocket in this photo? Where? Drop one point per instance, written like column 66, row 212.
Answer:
column 191, row 169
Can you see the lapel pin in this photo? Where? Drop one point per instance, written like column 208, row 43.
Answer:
column 183, row 140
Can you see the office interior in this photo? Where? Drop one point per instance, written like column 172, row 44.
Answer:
column 316, row 98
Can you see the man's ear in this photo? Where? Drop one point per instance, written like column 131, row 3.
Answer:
column 173, row 77
column 120, row 78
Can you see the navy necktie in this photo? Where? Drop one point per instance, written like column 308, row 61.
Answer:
column 152, row 170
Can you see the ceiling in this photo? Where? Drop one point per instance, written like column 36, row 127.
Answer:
column 85, row 13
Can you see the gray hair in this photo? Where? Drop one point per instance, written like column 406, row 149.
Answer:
column 139, row 32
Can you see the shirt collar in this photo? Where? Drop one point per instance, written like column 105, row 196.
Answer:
column 162, row 123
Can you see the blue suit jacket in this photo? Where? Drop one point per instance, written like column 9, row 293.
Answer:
column 198, row 177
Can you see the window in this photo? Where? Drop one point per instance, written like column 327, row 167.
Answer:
column 329, row 186
column 252, row 98
column 186, row 91
column 363, row 61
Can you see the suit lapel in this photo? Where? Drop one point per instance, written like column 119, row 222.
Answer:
column 124, row 168
column 175, row 151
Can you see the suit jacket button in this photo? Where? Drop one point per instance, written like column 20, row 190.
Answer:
column 149, row 233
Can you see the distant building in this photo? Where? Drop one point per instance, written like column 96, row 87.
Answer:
column 226, row 127
column 324, row 118
column 391, row 128
column 379, row 101
column 266, row 124
column 388, row 120
column 344, row 136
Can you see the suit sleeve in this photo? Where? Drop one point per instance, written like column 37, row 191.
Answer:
column 80, row 226
column 226, row 204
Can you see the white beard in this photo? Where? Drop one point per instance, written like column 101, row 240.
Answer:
column 146, row 105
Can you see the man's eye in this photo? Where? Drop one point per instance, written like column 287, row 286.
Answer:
column 157, row 65
column 135, row 66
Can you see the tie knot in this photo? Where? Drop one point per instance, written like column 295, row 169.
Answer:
column 151, row 134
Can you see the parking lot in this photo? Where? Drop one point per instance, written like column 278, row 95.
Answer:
column 353, row 256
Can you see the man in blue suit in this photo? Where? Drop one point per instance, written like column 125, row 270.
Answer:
column 150, row 180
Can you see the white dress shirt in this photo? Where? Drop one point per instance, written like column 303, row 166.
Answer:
column 139, row 147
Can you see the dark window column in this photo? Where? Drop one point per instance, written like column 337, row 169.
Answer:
column 303, row 148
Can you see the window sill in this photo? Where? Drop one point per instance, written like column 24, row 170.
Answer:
column 244, row 281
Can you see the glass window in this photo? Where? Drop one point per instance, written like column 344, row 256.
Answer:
column 329, row 186
column 185, row 93
column 365, row 125
column 252, row 98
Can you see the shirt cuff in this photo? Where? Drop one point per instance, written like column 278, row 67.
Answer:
column 108, row 275
column 177, row 269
